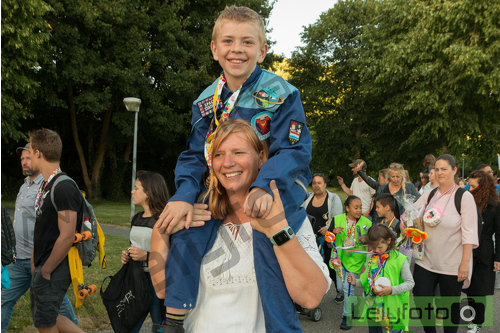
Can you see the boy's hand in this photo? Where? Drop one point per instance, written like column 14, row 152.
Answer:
column 362, row 239
column 351, row 279
column 200, row 215
column 258, row 203
column 276, row 220
column 174, row 213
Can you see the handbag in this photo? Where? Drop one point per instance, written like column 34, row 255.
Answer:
column 127, row 296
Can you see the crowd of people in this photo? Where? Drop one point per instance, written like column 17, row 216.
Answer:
column 242, row 233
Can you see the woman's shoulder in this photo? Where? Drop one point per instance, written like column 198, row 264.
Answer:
column 332, row 195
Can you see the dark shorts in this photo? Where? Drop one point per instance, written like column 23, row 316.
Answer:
column 47, row 296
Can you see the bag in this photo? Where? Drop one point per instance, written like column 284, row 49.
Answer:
column 8, row 239
column 87, row 249
column 458, row 207
column 127, row 296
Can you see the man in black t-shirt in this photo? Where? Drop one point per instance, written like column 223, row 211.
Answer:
column 53, row 236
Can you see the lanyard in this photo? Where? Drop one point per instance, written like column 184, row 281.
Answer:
column 390, row 222
column 228, row 107
column 381, row 266
column 42, row 188
column 430, row 205
column 350, row 230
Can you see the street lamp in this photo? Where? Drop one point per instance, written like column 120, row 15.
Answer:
column 133, row 104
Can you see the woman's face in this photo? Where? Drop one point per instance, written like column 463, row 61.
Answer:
column 432, row 175
column 395, row 178
column 354, row 209
column 236, row 163
column 445, row 174
column 139, row 197
column 318, row 185
column 473, row 183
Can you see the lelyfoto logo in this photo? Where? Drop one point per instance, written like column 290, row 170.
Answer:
column 420, row 311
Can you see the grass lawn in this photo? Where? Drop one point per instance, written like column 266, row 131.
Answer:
column 92, row 315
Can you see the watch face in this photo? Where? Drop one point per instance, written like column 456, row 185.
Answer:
column 281, row 237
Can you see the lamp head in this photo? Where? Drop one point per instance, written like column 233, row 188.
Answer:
column 132, row 104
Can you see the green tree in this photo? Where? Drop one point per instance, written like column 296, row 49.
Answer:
column 341, row 115
column 24, row 38
column 437, row 64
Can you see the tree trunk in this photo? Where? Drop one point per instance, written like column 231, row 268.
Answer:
column 96, row 171
column 76, row 138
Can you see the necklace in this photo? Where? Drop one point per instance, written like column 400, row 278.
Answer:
column 228, row 107
column 38, row 200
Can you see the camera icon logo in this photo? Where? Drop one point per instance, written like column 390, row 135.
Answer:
column 467, row 308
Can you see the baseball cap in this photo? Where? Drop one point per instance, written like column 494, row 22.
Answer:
column 19, row 150
column 356, row 162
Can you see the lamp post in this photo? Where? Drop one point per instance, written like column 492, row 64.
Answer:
column 133, row 104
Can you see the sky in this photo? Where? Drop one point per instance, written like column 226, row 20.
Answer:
column 288, row 18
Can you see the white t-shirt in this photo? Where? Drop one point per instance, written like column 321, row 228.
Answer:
column 364, row 192
column 228, row 297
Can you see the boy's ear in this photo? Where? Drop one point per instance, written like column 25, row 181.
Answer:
column 213, row 47
column 263, row 53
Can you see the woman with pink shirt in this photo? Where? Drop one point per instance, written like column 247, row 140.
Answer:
column 452, row 235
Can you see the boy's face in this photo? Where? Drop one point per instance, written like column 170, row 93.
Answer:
column 381, row 210
column 238, row 49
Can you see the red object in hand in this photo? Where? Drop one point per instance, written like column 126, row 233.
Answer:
column 329, row 237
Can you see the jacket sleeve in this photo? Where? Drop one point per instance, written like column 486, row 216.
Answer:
column 369, row 180
column 191, row 164
column 286, row 160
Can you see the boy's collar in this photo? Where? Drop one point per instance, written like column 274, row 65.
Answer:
column 255, row 74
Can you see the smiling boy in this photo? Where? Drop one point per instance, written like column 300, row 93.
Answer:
column 273, row 108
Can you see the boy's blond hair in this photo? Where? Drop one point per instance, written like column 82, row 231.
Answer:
column 240, row 14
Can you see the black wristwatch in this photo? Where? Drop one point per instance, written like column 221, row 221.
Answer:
column 282, row 236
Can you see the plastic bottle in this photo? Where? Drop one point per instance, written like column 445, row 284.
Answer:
column 86, row 224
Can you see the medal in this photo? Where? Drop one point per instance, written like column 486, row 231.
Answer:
column 349, row 242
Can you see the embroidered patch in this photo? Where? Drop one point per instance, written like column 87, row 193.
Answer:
column 295, row 131
column 261, row 124
column 267, row 97
column 206, row 106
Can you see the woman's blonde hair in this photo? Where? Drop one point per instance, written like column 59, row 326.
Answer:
column 398, row 169
column 218, row 199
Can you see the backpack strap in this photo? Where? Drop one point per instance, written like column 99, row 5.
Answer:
column 458, row 199
column 57, row 181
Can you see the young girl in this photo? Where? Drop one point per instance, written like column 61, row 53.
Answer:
column 350, row 229
column 382, row 312
column 151, row 193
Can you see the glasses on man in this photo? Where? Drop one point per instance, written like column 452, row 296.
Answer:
column 490, row 171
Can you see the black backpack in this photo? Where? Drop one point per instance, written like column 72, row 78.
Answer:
column 458, row 206
column 8, row 239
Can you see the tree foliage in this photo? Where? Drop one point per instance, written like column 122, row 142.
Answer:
column 394, row 80
column 101, row 51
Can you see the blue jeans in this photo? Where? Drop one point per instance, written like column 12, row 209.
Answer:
column 348, row 291
column 20, row 277
column 154, row 308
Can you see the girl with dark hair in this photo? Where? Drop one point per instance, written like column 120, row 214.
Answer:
column 150, row 192
column 487, row 255
column 395, row 291
column 350, row 229
column 447, row 259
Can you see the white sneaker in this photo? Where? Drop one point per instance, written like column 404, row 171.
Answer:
column 474, row 329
